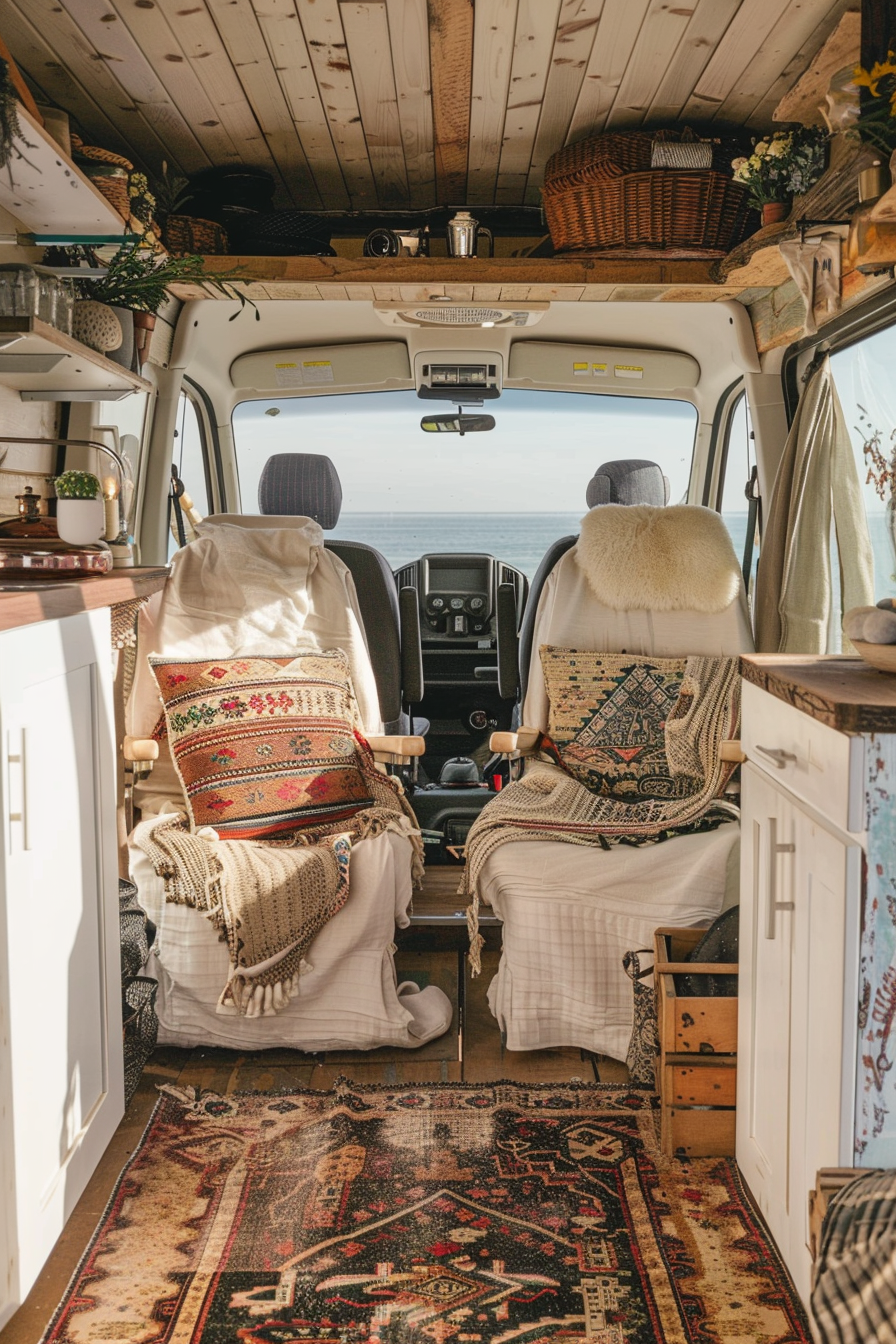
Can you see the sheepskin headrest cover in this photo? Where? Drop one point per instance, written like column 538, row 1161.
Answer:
column 637, row 557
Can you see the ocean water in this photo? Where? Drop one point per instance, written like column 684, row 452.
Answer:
column 519, row 539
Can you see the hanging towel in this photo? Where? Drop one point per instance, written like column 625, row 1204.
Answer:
column 816, row 479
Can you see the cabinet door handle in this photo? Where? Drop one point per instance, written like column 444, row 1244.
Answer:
column 774, row 905
column 17, row 791
column 777, row 755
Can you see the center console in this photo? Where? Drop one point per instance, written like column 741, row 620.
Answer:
column 457, row 595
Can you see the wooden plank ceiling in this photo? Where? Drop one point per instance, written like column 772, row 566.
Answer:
column 391, row 104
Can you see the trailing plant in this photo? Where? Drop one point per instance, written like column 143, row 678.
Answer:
column 10, row 129
column 876, row 121
column 143, row 201
column 170, row 191
column 77, row 485
column 784, row 164
column 137, row 278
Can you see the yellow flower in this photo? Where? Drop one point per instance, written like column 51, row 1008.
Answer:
column 869, row 79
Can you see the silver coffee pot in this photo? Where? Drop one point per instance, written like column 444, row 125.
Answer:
column 463, row 232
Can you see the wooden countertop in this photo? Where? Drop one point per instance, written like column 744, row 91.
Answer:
column 48, row 600
column 844, row 693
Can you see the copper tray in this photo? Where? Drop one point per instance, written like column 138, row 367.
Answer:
column 51, row 559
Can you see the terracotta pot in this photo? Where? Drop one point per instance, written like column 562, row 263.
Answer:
column 144, row 323
column 773, row 212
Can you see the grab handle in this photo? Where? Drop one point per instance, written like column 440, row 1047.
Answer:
column 776, row 755
column 774, row 905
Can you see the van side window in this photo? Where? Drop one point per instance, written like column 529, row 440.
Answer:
column 739, row 460
column 189, row 456
column 863, row 374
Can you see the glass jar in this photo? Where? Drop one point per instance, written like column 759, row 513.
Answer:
column 19, row 291
column 65, row 305
column 47, row 297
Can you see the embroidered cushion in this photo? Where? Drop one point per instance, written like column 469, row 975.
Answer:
column 264, row 745
column 608, row 714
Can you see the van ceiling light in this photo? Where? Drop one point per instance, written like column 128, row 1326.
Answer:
column 440, row 311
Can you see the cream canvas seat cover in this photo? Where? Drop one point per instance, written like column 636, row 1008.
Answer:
column 571, row 913
column 256, row 586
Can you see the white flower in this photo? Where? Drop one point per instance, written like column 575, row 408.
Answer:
column 737, row 164
column 761, row 148
column 777, row 149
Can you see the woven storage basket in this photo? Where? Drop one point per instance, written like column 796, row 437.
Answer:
column 185, row 235
column 602, row 194
column 113, row 184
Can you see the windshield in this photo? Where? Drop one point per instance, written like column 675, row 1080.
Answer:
column 509, row 492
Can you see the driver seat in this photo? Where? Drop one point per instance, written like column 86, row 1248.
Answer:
column 307, row 485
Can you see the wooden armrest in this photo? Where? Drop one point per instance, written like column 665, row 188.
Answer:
column 397, row 745
column 140, row 749
column 731, row 751
column 520, row 743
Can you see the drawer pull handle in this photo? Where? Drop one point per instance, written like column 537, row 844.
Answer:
column 774, row 905
column 777, row 755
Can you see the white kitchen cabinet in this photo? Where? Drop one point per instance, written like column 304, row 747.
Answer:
column 61, row 1084
column 801, row 892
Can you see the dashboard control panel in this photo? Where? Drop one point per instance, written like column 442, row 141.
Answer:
column 457, row 594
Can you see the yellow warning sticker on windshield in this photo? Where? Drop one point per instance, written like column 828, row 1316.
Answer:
column 579, row 369
column 629, row 370
column 317, row 370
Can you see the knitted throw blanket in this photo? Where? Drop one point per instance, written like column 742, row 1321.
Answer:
column 548, row 804
column 268, row 899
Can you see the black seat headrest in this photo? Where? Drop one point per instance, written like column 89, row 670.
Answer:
column 628, row 481
column 303, row 484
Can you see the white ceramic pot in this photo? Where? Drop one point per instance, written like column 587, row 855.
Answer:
column 80, row 522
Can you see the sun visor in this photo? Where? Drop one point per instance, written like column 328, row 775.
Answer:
column 600, row 368
column 325, row 368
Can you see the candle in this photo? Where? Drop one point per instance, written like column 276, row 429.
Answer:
column 110, row 508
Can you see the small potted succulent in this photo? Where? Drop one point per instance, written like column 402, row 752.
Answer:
column 80, row 510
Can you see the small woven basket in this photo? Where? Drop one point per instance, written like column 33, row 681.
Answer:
column 113, row 184
column 602, row 194
column 185, row 236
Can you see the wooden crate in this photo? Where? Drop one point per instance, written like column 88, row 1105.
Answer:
column 697, row 1065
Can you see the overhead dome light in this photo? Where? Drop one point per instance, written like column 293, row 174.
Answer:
column 442, row 311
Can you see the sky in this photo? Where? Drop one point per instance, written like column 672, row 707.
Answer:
column 544, row 449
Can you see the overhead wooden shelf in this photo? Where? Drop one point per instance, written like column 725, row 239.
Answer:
column 44, row 364
column 488, row 280
column 47, row 193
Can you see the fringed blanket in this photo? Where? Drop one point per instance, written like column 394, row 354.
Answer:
column 548, row 804
column 268, row 899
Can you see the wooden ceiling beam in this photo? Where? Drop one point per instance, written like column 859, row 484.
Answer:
column 451, row 56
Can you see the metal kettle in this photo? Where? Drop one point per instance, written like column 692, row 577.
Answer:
column 463, row 231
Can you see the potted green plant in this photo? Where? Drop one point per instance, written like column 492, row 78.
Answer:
column 782, row 165
column 80, row 511
column 136, row 282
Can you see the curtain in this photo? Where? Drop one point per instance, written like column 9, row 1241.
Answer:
column 817, row 479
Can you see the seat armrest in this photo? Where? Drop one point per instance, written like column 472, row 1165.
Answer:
column 521, row 743
column 142, row 749
column 396, row 748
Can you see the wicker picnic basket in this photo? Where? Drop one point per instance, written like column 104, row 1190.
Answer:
column 108, row 172
column 602, row 194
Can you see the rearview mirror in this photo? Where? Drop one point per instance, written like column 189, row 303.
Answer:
column 457, row 424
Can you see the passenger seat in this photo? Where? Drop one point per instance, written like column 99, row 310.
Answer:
column 308, row 485
column 626, row 481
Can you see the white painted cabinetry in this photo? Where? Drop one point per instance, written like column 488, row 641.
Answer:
column 801, row 888
column 61, row 1086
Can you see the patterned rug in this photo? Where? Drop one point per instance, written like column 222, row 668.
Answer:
column 470, row 1213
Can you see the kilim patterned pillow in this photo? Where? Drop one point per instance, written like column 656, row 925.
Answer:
column 263, row 745
column 608, row 718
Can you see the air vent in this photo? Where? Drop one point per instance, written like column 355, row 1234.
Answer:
column 442, row 312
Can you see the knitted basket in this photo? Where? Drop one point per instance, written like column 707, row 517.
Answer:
column 111, row 182
column 98, row 155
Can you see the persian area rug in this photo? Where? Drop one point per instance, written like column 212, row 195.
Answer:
column 470, row 1213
